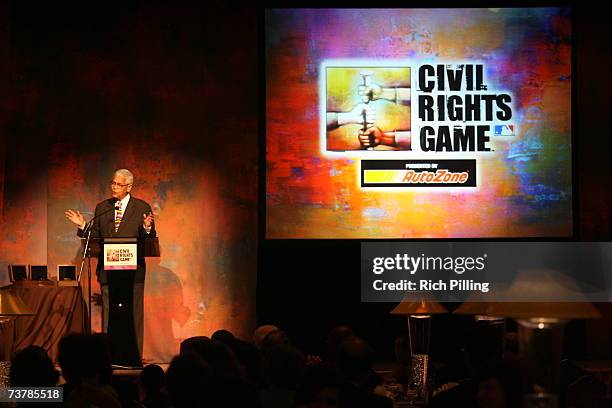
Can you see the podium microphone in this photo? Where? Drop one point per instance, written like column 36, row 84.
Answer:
column 89, row 224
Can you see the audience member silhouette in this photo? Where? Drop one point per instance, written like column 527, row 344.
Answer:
column 227, row 383
column 127, row 389
column 275, row 338
column 224, row 336
column 359, row 379
column 261, row 332
column 32, row 367
column 86, row 366
column 218, row 356
column 335, row 338
column 246, row 352
column 152, row 387
column 283, row 367
column 188, row 381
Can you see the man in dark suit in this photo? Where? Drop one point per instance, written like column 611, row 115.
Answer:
column 121, row 216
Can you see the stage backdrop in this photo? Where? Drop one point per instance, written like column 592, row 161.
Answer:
column 163, row 94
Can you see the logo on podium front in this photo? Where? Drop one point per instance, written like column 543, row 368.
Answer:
column 120, row 256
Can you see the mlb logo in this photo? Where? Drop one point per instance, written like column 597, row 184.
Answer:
column 504, row 130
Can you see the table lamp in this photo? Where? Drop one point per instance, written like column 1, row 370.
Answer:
column 418, row 311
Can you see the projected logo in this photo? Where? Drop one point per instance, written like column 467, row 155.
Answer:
column 368, row 109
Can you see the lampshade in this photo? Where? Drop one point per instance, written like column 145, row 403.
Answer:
column 525, row 310
column 425, row 304
column 555, row 310
column 530, row 286
column 11, row 304
column 475, row 308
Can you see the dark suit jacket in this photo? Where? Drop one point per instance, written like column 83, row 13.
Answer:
column 130, row 227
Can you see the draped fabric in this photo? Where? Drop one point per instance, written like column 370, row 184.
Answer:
column 57, row 311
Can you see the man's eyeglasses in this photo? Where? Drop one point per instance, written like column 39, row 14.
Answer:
column 113, row 184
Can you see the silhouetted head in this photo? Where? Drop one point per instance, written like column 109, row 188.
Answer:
column 152, row 378
column 188, row 381
column 85, row 357
column 224, row 336
column 32, row 367
column 335, row 338
column 355, row 358
column 217, row 355
column 275, row 338
column 261, row 332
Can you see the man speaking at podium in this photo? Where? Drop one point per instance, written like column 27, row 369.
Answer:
column 121, row 216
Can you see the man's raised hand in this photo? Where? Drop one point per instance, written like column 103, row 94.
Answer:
column 75, row 217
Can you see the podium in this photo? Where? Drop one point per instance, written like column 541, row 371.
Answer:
column 119, row 262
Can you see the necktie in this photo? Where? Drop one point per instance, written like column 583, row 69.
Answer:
column 118, row 216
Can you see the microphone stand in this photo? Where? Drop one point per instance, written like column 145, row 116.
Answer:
column 87, row 254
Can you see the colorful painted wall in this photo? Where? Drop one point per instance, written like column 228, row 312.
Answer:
column 160, row 91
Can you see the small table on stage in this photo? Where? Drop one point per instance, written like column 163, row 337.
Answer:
column 58, row 311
